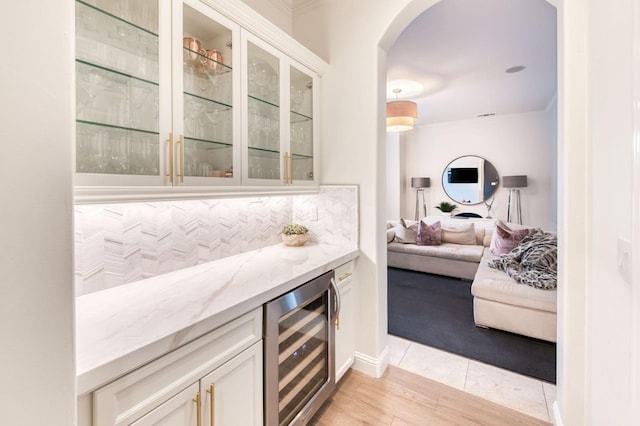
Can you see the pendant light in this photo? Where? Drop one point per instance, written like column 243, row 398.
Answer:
column 401, row 115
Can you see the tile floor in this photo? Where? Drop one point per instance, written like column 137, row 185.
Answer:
column 531, row 396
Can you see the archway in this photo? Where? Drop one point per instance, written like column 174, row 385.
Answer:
column 572, row 166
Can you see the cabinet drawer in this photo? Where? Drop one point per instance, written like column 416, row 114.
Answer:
column 344, row 274
column 128, row 398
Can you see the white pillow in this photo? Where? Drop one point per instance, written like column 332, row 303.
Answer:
column 391, row 234
column 459, row 233
column 406, row 232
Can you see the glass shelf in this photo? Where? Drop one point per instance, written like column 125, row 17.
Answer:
column 207, row 159
column 105, row 39
column 296, row 117
column 207, row 120
column 113, row 98
column 116, row 150
column 264, row 164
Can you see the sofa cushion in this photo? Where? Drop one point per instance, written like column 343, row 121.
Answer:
column 429, row 235
column 459, row 233
column 466, row 253
column 495, row 285
column 391, row 234
column 504, row 239
column 406, row 231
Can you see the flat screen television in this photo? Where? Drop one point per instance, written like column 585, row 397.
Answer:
column 463, row 175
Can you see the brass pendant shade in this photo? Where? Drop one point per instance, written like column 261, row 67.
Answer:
column 401, row 115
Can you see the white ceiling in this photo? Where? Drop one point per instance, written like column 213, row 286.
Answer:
column 459, row 51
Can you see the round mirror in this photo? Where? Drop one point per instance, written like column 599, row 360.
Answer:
column 470, row 180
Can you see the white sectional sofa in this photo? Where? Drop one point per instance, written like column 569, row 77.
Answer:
column 498, row 301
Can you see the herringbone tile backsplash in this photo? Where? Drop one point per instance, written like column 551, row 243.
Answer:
column 117, row 244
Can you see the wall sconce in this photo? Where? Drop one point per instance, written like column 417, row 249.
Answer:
column 513, row 183
column 401, row 115
column 419, row 183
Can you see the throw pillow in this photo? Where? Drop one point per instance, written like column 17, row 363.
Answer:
column 406, row 232
column 429, row 235
column 504, row 239
column 391, row 234
column 459, row 233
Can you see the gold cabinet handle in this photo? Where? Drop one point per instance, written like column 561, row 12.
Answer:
column 181, row 143
column 198, row 402
column 291, row 169
column 211, row 392
column 344, row 277
column 170, row 154
column 286, row 168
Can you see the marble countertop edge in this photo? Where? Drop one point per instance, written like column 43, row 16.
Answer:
column 123, row 328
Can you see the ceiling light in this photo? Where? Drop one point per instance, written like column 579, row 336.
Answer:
column 401, row 115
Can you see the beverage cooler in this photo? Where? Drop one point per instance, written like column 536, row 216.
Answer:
column 299, row 351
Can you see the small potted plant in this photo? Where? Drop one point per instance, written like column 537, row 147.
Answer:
column 446, row 208
column 295, row 235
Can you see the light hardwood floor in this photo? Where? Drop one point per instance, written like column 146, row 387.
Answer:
column 401, row 398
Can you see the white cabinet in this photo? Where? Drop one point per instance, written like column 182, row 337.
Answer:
column 155, row 98
column 219, row 374
column 346, row 328
column 280, row 131
column 168, row 94
column 230, row 395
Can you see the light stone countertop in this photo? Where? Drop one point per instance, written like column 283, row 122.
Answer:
column 123, row 328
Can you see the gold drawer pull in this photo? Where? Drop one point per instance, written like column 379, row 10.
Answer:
column 345, row 276
column 198, row 402
column 211, row 391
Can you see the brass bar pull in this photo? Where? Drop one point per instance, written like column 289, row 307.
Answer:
column 286, row 168
column 198, row 402
column 170, row 154
column 291, row 169
column 181, row 143
column 211, row 392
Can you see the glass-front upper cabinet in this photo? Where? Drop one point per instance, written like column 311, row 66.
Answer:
column 263, row 134
column 206, row 117
column 280, row 132
column 117, row 90
column 155, row 94
column 301, row 125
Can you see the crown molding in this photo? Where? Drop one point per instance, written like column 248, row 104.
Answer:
column 285, row 6
column 257, row 24
column 301, row 7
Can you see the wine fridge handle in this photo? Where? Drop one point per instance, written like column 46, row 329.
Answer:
column 336, row 315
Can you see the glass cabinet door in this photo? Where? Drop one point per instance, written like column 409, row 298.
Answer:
column 263, row 159
column 204, row 110
column 117, row 88
column 301, row 133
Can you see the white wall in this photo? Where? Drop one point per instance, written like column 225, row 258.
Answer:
column 552, row 136
column 36, row 289
column 517, row 144
column 276, row 11
column 349, row 34
column 394, row 167
column 609, row 297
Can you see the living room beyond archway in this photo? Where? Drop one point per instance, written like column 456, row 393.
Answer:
column 427, row 149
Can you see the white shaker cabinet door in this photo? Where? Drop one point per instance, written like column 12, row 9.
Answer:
column 232, row 394
column 179, row 410
column 345, row 332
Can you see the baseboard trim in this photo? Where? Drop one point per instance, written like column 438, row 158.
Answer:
column 374, row 367
column 557, row 418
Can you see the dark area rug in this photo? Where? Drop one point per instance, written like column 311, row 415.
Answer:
column 437, row 311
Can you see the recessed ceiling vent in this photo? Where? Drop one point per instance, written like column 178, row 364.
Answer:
column 515, row 69
column 489, row 114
